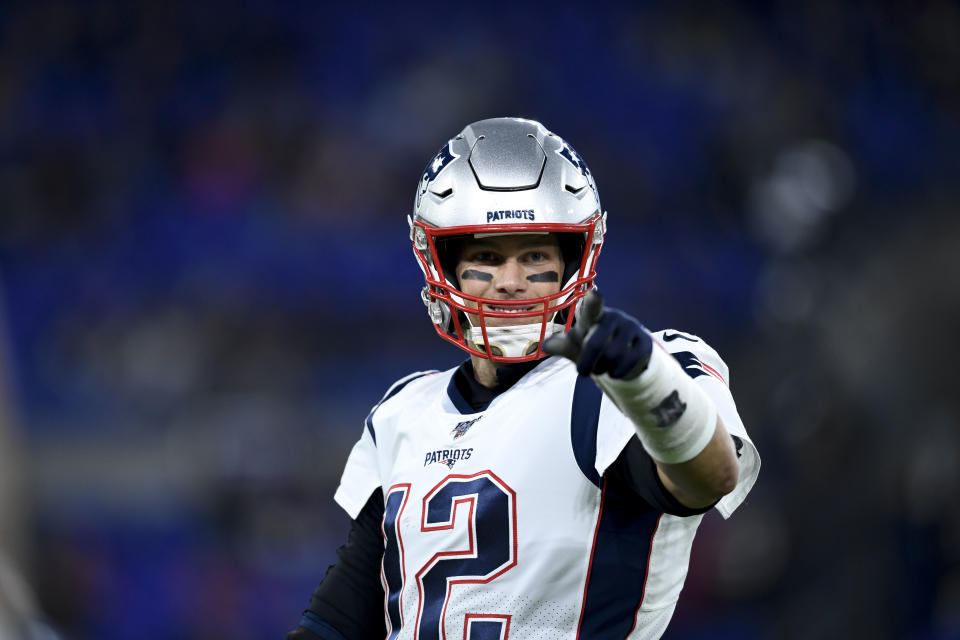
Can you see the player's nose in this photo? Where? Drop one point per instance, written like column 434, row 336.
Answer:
column 510, row 278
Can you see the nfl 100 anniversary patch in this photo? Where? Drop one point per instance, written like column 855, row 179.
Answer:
column 461, row 428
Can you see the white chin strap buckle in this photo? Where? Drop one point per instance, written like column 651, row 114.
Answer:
column 513, row 341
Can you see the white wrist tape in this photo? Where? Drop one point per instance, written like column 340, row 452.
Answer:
column 674, row 418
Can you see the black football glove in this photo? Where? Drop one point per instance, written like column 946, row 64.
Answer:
column 603, row 340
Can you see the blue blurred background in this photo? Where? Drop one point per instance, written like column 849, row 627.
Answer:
column 206, row 282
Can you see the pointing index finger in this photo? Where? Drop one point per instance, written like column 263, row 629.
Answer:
column 591, row 310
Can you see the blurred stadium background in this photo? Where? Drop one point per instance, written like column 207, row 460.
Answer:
column 206, row 283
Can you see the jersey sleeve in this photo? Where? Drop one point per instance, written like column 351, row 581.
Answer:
column 361, row 475
column 710, row 372
column 362, row 472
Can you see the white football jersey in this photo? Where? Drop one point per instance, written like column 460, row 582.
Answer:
column 499, row 524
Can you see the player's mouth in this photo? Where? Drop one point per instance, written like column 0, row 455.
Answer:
column 511, row 308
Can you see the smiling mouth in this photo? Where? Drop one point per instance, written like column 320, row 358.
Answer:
column 511, row 309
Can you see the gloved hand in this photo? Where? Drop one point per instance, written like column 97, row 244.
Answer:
column 603, row 340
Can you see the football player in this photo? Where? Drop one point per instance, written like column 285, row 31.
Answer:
column 550, row 486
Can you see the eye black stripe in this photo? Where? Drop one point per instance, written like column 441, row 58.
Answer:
column 473, row 274
column 546, row 276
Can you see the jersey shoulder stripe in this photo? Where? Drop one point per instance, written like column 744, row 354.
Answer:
column 394, row 389
column 695, row 356
column 584, row 418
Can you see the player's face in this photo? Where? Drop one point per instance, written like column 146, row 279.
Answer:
column 510, row 267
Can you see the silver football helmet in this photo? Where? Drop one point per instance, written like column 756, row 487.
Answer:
column 505, row 176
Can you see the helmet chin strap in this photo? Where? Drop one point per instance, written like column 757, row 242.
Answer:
column 513, row 341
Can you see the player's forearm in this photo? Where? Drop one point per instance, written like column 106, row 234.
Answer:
column 708, row 476
column 674, row 417
column 679, row 427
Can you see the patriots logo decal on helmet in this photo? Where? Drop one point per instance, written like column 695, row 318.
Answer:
column 574, row 158
column 442, row 159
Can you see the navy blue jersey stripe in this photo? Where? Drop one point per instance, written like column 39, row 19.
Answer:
column 312, row 622
column 369, row 423
column 457, row 398
column 584, row 417
column 392, row 391
column 618, row 564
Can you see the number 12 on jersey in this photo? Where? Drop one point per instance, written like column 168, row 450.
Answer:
column 490, row 508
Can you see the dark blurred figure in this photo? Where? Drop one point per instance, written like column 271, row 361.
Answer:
column 20, row 617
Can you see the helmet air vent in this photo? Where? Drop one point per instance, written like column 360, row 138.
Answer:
column 501, row 160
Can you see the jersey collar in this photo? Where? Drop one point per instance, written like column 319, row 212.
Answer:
column 469, row 396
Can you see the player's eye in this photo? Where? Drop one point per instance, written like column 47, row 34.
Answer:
column 485, row 257
column 538, row 256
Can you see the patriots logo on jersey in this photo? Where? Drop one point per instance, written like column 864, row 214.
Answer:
column 462, row 427
column 448, row 457
column 695, row 367
column 442, row 159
